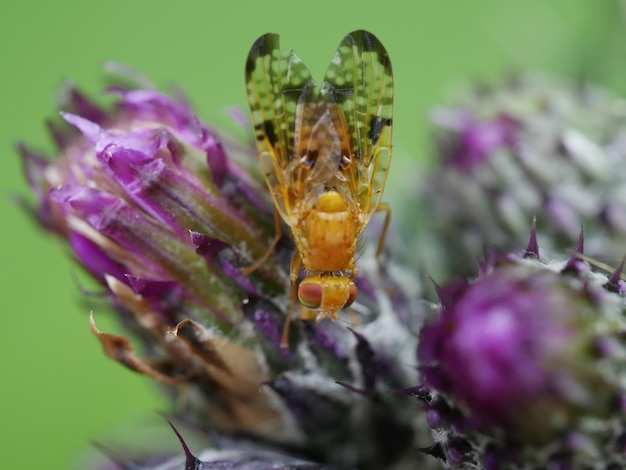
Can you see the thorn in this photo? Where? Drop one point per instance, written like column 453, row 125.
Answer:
column 353, row 389
column 358, row 336
column 581, row 241
column 532, row 250
column 613, row 282
column 448, row 294
column 420, row 392
column 573, row 264
column 369, row 362
column 191, row 461
column 436, row 450
column 441, row 294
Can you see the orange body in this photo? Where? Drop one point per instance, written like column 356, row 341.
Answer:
column 326, row 243
column 325, row 153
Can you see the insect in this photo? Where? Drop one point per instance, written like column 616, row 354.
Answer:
column 325, row 153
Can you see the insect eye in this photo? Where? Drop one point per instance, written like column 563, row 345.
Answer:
column 352, row 295
column 310, row 294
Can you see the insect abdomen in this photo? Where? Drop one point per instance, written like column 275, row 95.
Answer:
column 330, row 230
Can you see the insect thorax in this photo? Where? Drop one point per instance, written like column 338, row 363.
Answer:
column 321, row 139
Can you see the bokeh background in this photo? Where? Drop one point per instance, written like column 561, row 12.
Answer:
column 58, row 393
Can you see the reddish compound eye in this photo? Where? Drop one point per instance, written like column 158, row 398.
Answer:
column 310, row 294
column 352, row 295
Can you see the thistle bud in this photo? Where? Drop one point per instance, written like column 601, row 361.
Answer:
column 532, row 146
column 524, row 365
column 165, row 214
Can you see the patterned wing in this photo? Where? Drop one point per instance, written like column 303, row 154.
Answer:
column 359, row 81
column 277, row 84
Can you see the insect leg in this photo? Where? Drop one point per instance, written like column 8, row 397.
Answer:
column 278, row 232
column 294, row 271
column 383, row 207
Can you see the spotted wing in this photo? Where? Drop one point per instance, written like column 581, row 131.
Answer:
column 359, row 81
column 278, row 85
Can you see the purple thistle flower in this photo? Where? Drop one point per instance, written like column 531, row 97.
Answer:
column 528, row 147
column 520, row 361
column 164, row 214
column 477, row 139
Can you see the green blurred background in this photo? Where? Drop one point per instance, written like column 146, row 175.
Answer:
column 59, row 392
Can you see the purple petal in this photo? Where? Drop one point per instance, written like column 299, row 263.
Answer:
column 479, row 139
column 34, row 167
column 239, row 116
column 216, row 159
column 92, row 204
column 94, row 259
column 151, row 288
column 76, row 102
column 563, row 215
column 116, row 220
column 206, row 246
column 147, row 142
column 161, row 108
column 220, row 254
column 268, row 320
column 231, row 264
column 138, row 79
column 164, row 194
column 166, row 298
column 90, row 130
column 164, row 109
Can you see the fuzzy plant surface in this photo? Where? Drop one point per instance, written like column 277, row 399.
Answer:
column 530, row 146
column 523, row 367
column 165, row 214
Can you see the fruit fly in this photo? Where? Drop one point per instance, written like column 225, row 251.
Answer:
column 325, row 153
